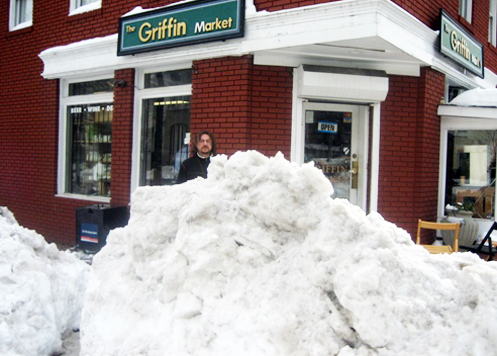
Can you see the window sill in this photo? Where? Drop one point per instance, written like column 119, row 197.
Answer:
column 21, row 26
column 83, row 197
column 86, row 8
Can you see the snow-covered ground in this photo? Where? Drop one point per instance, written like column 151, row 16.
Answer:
column 41, row 291
column 259, row 260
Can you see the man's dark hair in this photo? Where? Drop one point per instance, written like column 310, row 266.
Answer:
column 196, row 139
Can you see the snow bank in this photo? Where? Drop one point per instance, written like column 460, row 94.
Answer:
column 41, row 291
column 259, row 260
column 477, row 97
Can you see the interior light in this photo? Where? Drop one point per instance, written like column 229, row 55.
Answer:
column 171, row 102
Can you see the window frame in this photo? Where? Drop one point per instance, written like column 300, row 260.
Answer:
column 466, row 10
column 452, row 123
column 492, row 23
column 13, row 15
column 63, row 145
column 76, row 8
column 142, row 165
column 150, row 93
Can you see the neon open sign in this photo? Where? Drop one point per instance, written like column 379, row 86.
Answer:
column 327, row 127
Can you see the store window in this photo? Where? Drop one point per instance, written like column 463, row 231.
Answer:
column 466, row 9
column 21, row 14
column 165, row 138
column 470, row 176
column 165, row 125
column 87, row 134
column 80, row 6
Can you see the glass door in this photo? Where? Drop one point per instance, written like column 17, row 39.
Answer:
column 165, row 139
column 161, row 127
column 334, row 138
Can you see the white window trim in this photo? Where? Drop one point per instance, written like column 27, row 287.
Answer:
column 492, row 23
column 73, row 10
column 140, row 95
column 12, row 25
column 467, row 11
column 451, row 123
column 297, row 135
column 65, row 101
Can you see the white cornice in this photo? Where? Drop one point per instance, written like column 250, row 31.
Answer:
column 473, row 112
column 386, row 38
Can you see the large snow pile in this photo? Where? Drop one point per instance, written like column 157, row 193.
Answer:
column 41, row 291
column 259, row 260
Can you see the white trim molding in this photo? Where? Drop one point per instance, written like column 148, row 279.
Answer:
column 366, row 34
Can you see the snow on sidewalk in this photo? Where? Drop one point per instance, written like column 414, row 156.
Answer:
column 258, row 259
column 41, row 291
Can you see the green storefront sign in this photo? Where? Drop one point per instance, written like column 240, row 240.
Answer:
column 460, row 46
column 186, row 23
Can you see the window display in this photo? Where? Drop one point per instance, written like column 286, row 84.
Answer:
column 471, row 156
column 90, row 139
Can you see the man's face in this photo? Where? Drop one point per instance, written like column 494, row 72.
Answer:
column 204, row 146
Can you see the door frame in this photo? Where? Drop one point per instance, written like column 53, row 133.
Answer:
column 359, row 142
column 141, row 94
column 329, row 89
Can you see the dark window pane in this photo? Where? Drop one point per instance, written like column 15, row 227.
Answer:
column 166, row 124
column 328, row 143
column 168, row 79
column 93, row 87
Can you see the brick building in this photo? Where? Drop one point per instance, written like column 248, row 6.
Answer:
column 100, row 97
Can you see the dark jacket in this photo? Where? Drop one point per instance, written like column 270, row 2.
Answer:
column 192, row 168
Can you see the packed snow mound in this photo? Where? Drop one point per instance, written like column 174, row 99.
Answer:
column 259, row 260
column 477, row 97
column 41, row 291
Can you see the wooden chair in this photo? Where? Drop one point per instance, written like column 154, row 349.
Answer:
column 439, row 226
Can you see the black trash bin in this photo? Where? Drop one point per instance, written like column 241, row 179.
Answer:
column 93, row 224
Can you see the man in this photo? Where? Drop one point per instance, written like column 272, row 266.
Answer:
column 204, row 146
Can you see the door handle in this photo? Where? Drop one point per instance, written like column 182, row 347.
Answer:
column 355, row 174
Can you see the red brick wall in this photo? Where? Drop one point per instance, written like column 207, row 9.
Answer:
column 397, row 150
column 251, row 106
column 29, row 115
column 428, row 142
column 271, row 129
column 122, row 137
column 276, row 5
column 428, row 12
column 221, row 101
column 409, row 149
column 245, row 106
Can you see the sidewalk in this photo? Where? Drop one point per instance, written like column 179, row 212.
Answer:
column 71, row 344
